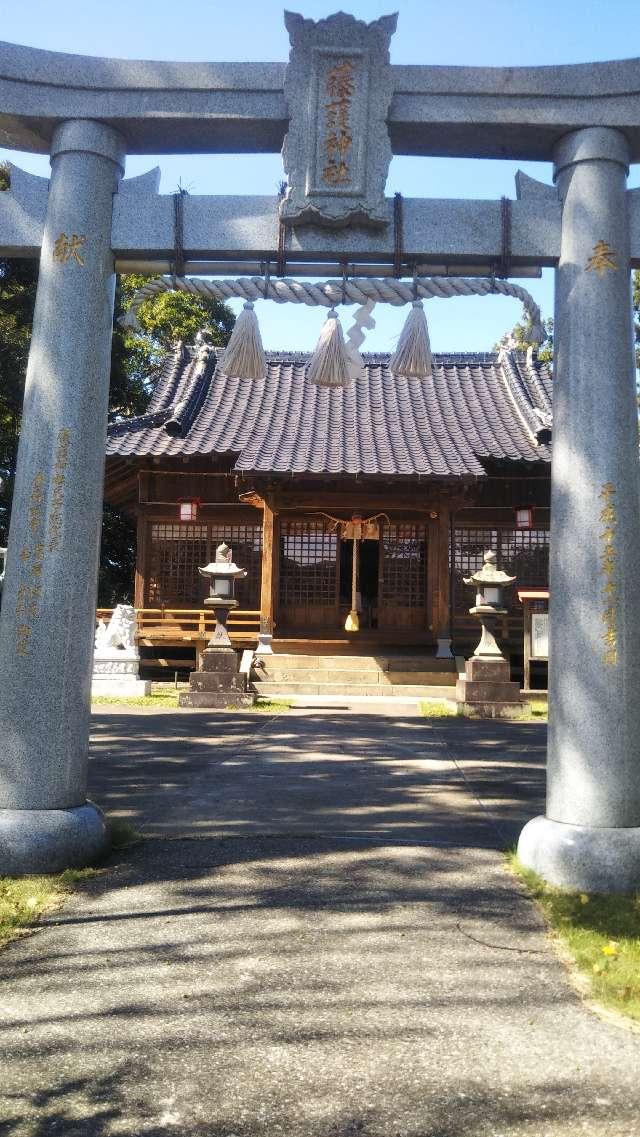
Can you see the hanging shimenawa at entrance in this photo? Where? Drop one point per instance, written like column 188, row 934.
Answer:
column 427, row 445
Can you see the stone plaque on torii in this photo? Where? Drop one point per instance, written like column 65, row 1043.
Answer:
column 327, row 109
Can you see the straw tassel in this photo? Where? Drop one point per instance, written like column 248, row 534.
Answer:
column 330, row 365
column 412, row 356
column 352, row 622
column 243, row 357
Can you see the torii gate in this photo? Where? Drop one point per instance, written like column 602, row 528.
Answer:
column 341, row 110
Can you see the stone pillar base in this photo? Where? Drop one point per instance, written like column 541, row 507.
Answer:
column 444, row 648
column 581, row 858
column 50, row 840
column 127, row 685
column 218, row 683
column 486, row 690
column 117, row 672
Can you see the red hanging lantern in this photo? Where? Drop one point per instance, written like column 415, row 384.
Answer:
column 188, row 508
column 524, row 518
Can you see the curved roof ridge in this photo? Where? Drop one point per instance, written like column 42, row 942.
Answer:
column 169, row 379
column 512, row 369
column 190, row 394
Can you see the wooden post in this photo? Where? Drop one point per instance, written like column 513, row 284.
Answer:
column 142, row 546
column 269, row 570
column 527, row 644
column 441, row 590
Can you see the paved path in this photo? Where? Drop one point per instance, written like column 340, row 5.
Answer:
column 317, row 939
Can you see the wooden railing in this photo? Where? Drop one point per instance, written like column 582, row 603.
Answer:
column 186, row 627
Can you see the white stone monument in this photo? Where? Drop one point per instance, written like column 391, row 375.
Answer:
column 116, row 658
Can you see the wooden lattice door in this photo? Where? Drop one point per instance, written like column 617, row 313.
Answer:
column 309, row 575
column 403, row 577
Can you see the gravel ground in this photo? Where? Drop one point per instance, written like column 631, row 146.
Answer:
column 317, row 937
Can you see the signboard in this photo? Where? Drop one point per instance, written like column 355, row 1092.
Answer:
column 539, row 635
column 338, row 88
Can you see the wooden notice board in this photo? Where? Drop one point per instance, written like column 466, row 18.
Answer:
column 535, row 603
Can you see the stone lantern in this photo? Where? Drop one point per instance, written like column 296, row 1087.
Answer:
column 222, row 574
column 217, row 683
column 486, row 688
column 489, row 583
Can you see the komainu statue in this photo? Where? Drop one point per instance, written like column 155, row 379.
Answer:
column 118, row 634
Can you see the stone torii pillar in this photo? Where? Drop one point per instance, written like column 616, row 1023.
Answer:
column 590, row 837
column 48, row 604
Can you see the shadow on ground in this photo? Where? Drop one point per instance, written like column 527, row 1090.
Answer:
column 316, row 937
column 344, row 774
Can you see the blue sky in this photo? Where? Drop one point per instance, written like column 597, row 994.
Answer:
column 480, row 32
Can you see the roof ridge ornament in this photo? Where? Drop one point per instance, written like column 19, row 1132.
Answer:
column 338, row 88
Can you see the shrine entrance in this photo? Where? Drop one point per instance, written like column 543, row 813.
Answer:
column 315, row 579
column 368, row 577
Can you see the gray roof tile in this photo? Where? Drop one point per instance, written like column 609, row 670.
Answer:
column 474, row 407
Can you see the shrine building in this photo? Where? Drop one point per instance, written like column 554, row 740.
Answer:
column 425, row 473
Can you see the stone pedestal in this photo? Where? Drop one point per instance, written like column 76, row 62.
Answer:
column 486, row 690
column 443, row 650
column 217, row 683
column 265, row 641
column 49, row 594
column 115, row 673
column 590, row 837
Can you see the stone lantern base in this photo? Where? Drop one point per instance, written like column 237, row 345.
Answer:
column 486, row 690
column 217, row 682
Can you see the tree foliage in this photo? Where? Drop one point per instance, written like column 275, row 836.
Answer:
column 520, row 337
column 136, row 361
column 137, row 356
column 18, row 281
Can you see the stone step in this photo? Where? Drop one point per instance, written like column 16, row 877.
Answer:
column 396, row 663
column 422, row 678
column 367, row 676
column 277, row 690
column 314, row 675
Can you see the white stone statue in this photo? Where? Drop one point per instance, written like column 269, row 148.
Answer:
column 116, row 658
column 119, row 634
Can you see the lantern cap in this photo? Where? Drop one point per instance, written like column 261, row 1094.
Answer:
column 489, row 574
column 223, row 564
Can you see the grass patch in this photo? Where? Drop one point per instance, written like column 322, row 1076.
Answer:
column 23, row 900
column 538, row 709
column 155, row 699
column 121, row 833
column 436, row 709
column 600, row 933
column 270, row 706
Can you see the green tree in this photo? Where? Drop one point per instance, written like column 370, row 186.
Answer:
column 137, row 356
column 136, row 361
column 520, row 337
column 18, row 281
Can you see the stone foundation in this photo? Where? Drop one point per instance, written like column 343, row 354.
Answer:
column 117, row 674
column 217, row 683
column 486, row 690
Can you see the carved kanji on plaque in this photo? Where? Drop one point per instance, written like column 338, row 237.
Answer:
column 338, row 89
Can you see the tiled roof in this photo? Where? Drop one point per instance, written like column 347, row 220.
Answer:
column 475, row 407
